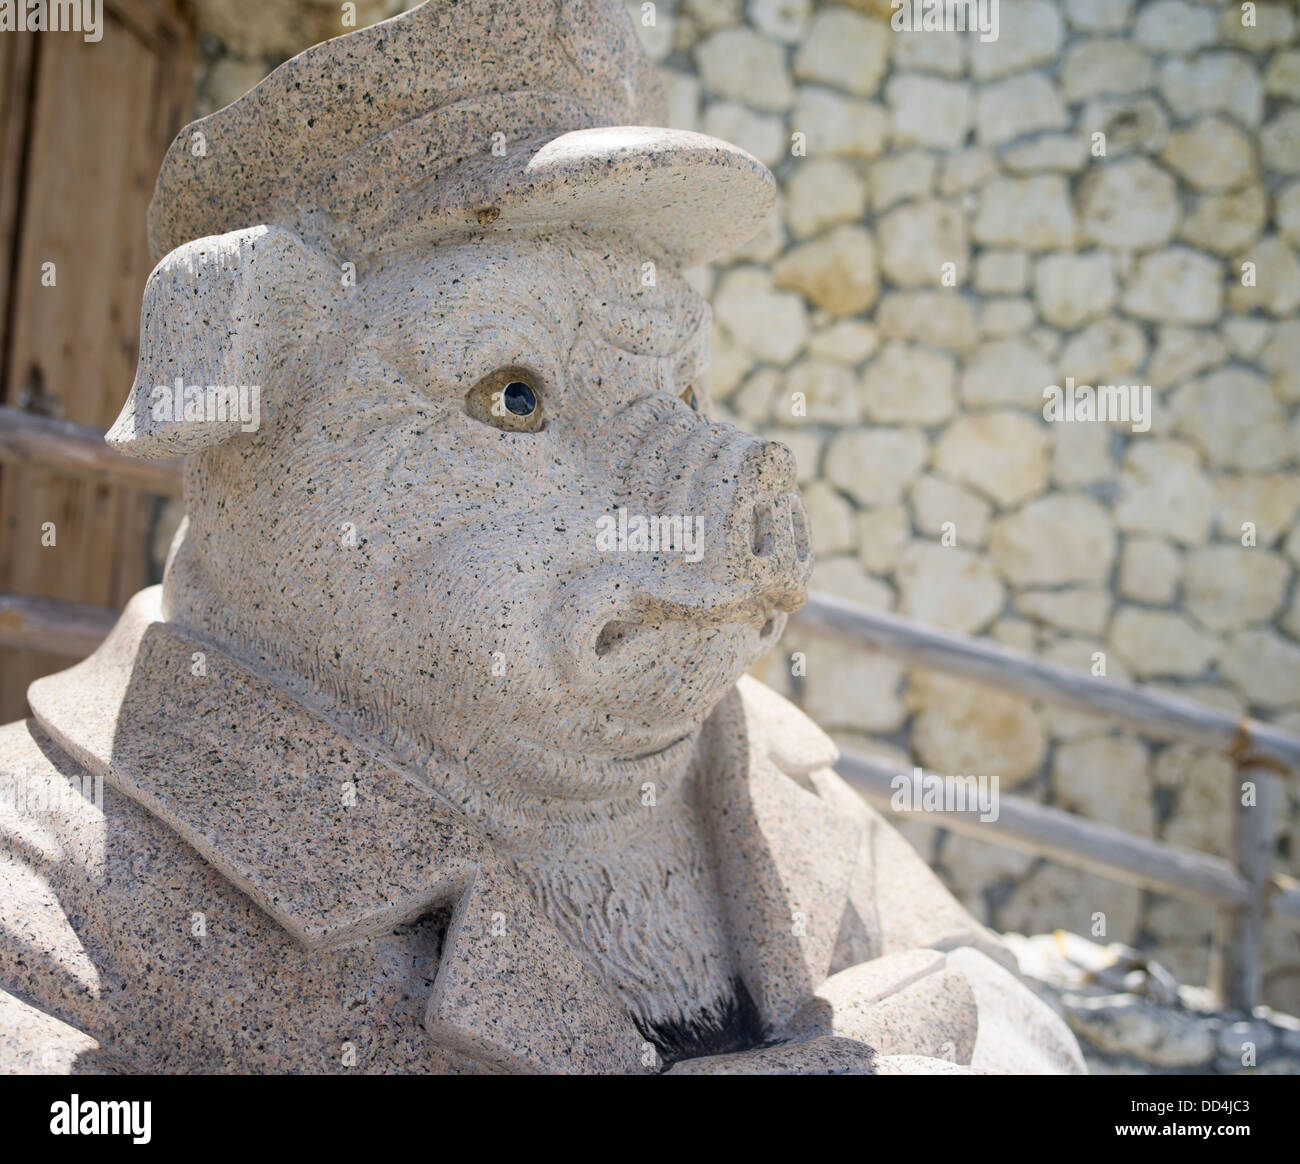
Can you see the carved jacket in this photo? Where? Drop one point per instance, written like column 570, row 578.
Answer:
column 307, row 907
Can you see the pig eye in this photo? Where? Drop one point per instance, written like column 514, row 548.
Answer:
column 519, row 398
column 689, row 397
column 507, row 399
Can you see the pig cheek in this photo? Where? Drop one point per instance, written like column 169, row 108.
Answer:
column 680, row 670
column 483, row 642
column 658, row 681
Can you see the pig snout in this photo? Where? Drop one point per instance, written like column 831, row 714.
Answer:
column 767, row 544
column 655, row 634
column 740, row 490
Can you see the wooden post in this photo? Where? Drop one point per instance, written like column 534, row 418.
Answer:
column 1235, row 971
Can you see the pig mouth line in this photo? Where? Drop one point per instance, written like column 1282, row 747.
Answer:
column 619, row 632
column 668, row 747
column 581, row 776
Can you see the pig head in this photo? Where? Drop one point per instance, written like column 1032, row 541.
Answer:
column 483, row 514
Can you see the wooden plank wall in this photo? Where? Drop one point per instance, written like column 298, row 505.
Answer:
column 83, row 130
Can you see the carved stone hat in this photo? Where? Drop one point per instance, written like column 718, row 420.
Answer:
column 457, row 117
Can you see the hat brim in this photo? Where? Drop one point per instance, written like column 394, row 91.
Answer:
column 685, row 196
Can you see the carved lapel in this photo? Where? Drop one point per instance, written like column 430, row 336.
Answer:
column 285, row 806
column 511, row 992
column 276, row 799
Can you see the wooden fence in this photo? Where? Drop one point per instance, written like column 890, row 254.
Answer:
column 1245, row 891
column 84, row 127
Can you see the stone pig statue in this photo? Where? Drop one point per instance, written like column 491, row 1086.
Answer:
column 434, row 751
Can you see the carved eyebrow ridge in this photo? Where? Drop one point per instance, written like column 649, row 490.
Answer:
column 644, row 330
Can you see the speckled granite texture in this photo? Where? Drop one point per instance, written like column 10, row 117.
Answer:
column 404, row 768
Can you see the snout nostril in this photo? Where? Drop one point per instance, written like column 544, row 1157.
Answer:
column 799, row 527
column 763, row 531
column 611, row 635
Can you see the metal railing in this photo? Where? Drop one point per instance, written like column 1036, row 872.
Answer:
column 1244, row 891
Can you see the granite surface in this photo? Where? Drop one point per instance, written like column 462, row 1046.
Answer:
column 410, row 765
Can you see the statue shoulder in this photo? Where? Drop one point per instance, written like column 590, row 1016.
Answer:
column 798, row 748
column 48, row 818
column 791, row 741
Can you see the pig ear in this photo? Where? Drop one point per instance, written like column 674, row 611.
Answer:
column 220, row 315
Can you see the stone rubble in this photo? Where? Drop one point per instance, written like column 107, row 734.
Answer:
column 1131, row 1016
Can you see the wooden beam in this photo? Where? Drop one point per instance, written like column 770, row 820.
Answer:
column 1165, row 716
column 26, row 438
column 17, row 57
column 57, row 628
